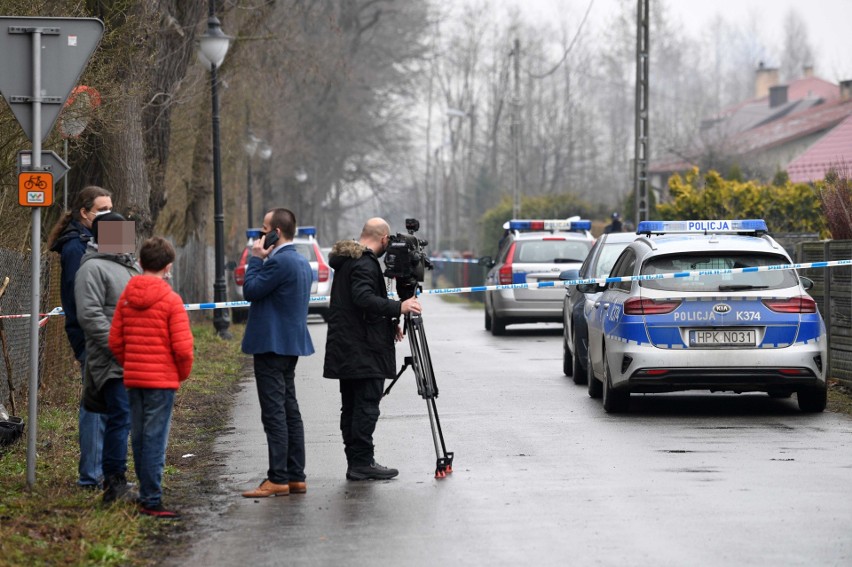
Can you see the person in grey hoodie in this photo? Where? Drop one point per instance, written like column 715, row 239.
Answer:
column 97, row 288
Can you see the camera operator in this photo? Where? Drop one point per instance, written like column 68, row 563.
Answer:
column 362, row 326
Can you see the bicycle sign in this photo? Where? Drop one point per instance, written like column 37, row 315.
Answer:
column 35, row 189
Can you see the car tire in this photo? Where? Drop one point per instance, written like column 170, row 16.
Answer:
column 567, row 358
column 580, row 375
column 487, row 319
column 498, row 325
column 614, row 401
column 594, row 385
column 813, row 398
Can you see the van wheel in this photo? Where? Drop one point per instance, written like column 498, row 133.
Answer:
column 498, row 325
column 567, row 359
column 487, row 319
column 580, row 375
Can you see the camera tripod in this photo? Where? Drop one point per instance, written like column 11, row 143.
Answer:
column 427, row 388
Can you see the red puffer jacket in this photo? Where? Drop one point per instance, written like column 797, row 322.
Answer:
column 150, row 335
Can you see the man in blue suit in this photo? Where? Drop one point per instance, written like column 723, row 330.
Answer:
column 278, row 285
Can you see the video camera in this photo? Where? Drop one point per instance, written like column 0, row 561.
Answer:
column 405, row 260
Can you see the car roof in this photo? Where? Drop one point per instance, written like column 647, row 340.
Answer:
column 549, row 234
column 619, row 237
column 671, row 243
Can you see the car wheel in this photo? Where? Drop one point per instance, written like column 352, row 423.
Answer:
column 594, row 385
column 487, row 319
column 498, row 325
column 580, row 376
column 812, row 399
column 614, row 401
column 567, row 359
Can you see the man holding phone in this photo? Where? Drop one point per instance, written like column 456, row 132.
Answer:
column 278, row 285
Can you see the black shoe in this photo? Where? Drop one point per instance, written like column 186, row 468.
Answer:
column 373, row 471
column 159, row 512
column 116, row 487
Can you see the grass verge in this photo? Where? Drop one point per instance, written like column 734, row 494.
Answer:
column 57, row 523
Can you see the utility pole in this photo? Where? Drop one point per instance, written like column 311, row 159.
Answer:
column 641, row 145
column 516, row 133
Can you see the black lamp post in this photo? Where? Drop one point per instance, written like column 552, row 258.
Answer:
column 212, row 48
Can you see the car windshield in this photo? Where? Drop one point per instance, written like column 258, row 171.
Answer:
column 307, row 250
column 775, row 279
column 609, row 254
column 551, row 251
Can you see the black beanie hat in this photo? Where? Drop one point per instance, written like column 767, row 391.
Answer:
column 110, row 216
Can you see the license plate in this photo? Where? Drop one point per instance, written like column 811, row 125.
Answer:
column 722, row 337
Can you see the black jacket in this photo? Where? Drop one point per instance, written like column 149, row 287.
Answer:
column 361, row 320
column 71, row 245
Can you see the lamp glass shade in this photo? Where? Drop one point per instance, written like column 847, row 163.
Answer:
column 213, row 45
column 265, row 151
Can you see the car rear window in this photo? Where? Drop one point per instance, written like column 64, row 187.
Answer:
column 776, row 279
column 306, row 250
column 551, row 251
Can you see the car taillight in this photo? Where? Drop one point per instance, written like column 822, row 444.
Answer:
column 322, row 270
column 645, row 306
column 240, row 270
column 504, row 276
column 800, row 304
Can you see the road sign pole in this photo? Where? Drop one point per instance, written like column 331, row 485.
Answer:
column 36, row 267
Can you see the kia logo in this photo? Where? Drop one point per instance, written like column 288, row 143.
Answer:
column 722, row 308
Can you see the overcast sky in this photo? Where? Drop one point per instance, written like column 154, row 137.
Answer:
column 828, row 21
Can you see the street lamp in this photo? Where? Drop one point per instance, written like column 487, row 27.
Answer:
column 254, row 146
column 212, row 48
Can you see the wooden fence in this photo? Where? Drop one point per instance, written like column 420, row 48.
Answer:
column 833, row 293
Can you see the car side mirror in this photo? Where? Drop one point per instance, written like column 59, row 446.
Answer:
column 486, row 261
column 572, row 274
column 807, row 283
column 591, row 287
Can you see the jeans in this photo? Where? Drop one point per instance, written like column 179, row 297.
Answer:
column 91, row 438
column 117, row 428
column 150, row 421
column 279, row 412
column 358, row 416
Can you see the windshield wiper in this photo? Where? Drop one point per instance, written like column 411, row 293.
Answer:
column 741, row 287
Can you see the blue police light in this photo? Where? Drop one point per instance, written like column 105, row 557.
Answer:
column 702, row 226
column 253, row 233
column 306, row 230
column 581, row 225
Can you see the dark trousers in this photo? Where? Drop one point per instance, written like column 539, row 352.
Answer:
column 358, row 416
column 279, row 413
column 117, row 427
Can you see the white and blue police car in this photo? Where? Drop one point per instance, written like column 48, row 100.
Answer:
column 710, row 310
column 533, row 251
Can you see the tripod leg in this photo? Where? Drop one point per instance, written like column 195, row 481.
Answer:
column 428, row 390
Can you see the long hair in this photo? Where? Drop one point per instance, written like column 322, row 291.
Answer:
column 85, row 200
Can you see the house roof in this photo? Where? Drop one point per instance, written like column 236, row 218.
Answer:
column 835, row 148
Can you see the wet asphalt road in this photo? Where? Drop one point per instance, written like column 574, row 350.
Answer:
column 542, row 475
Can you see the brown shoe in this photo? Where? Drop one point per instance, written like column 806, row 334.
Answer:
column 266, row 489
column 297, row 487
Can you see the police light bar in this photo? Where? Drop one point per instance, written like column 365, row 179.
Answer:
column 550, row 224
column 702, row 226
column 253, row 233
column 306, row 230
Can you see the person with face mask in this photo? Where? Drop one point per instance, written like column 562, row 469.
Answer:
column 69, row 238
column 362, row 327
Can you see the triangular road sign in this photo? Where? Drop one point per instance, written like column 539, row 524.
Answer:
column 66, row 46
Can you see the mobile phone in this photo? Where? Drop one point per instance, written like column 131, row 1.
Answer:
column 270, row 239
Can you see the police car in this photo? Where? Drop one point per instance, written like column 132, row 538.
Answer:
column 307, row 245
column 710, row 312
column 533, row 251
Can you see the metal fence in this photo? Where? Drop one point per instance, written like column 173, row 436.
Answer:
column 833, row 293
column 15, row 332
column 457, row 270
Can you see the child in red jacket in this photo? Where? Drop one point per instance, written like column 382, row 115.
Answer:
column 151, row 338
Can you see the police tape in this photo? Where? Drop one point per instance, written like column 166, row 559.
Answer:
column 533, row 285
column 457, row 260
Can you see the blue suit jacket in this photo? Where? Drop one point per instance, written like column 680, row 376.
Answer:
column 279, row 290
